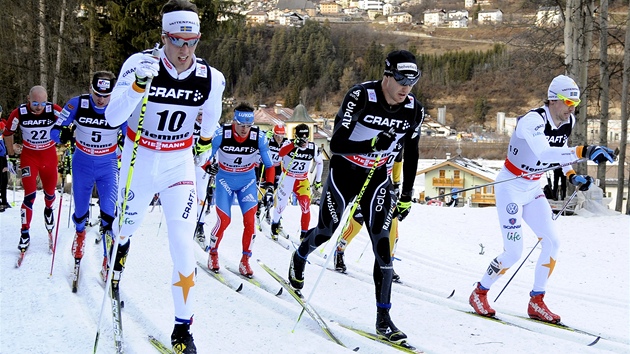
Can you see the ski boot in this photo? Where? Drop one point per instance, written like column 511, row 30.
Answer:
column 200, row 236
column 395, row 277
column 244, row 267
column 25, row 241
column 182, row 340
column 275, row 230
column 539, row 311
column 479, row 301
column 340, row 265
column 78, row 246
column 49, row 221
column 386, row 329
column 213, row 260
column 296, row 272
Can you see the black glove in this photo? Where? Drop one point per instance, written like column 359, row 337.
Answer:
column 299, row 142
column 66, row 134
column 383, row 140
column 396, row 189
column 599, row 154
column 212, row 169
column 403, row 205
column 268, row 198
column 583, row 182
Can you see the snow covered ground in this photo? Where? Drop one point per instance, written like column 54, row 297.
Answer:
column 440, row 250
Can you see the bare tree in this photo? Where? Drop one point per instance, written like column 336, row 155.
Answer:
column 59, row 52
column 578, row 40
column 604, row 83
column 625, row 102
column 43, row 62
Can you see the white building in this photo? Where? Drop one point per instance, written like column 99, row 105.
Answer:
column 371, row 5
column 613, row 134
column 548, row 16
column 434, row 17
column 488, row 17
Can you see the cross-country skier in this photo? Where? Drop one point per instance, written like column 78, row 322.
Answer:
column 296, row 156
column 539, row 140
column 373, row 118
column 238, row 146
column 272, row 175
column 204, row 185
column 357, row 221
column 163, row 161
column 94, row 160
column 35, row 120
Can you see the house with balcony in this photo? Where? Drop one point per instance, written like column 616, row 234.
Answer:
column 329, row 8
column 434, row 17
column 399, row 17
column 460, row 173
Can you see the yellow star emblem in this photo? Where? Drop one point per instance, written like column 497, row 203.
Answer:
column 186, row 282
column 551, row 265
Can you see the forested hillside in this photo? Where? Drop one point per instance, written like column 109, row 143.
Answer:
column 314, row 64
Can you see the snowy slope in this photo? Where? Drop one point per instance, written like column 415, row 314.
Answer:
column 439, row 251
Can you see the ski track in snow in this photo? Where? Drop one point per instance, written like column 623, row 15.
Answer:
column 438, row 250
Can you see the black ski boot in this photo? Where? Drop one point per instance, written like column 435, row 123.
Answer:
column 49, row 219
column 25, row 241
column 395, row 277
column 386, row 329
column 340, row 265
column 200, row 235
column 296, row 272
column 275, row 230
column 119, row 262
column 182, row 340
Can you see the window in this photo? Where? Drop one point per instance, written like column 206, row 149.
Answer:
column 442, row 173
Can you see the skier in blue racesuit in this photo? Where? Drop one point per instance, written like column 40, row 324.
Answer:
column 238, row 147
column 95, row 155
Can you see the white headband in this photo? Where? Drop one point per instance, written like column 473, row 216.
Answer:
column 180, row 21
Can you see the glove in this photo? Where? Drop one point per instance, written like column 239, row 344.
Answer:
column 583, row 182
column 269, row 134
column 599, row 154
column 66, row 135
column 268, row 199
column 147, row 69
column 65, row 165
column 396, row 189
column 403, row 205
column 202, row 151
column 383, row 140
column 212, row 169
column 299, row 142
column 317, row 185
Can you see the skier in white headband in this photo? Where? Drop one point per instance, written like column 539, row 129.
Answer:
column 179, row 86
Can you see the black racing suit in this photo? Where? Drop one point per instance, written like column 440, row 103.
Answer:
column 363, row 114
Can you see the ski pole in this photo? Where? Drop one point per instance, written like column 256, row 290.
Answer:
column 121, row 214
column 577, row 188
column 54, row 250
column 517, row 269
column 427, row 198
column 345, row 217
column 554, row 217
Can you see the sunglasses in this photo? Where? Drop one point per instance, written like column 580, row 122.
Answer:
column 179, row 41
column 100, row 95
column 244, row 125
column 569, row 102
column 37, row 104
column 403, row 79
